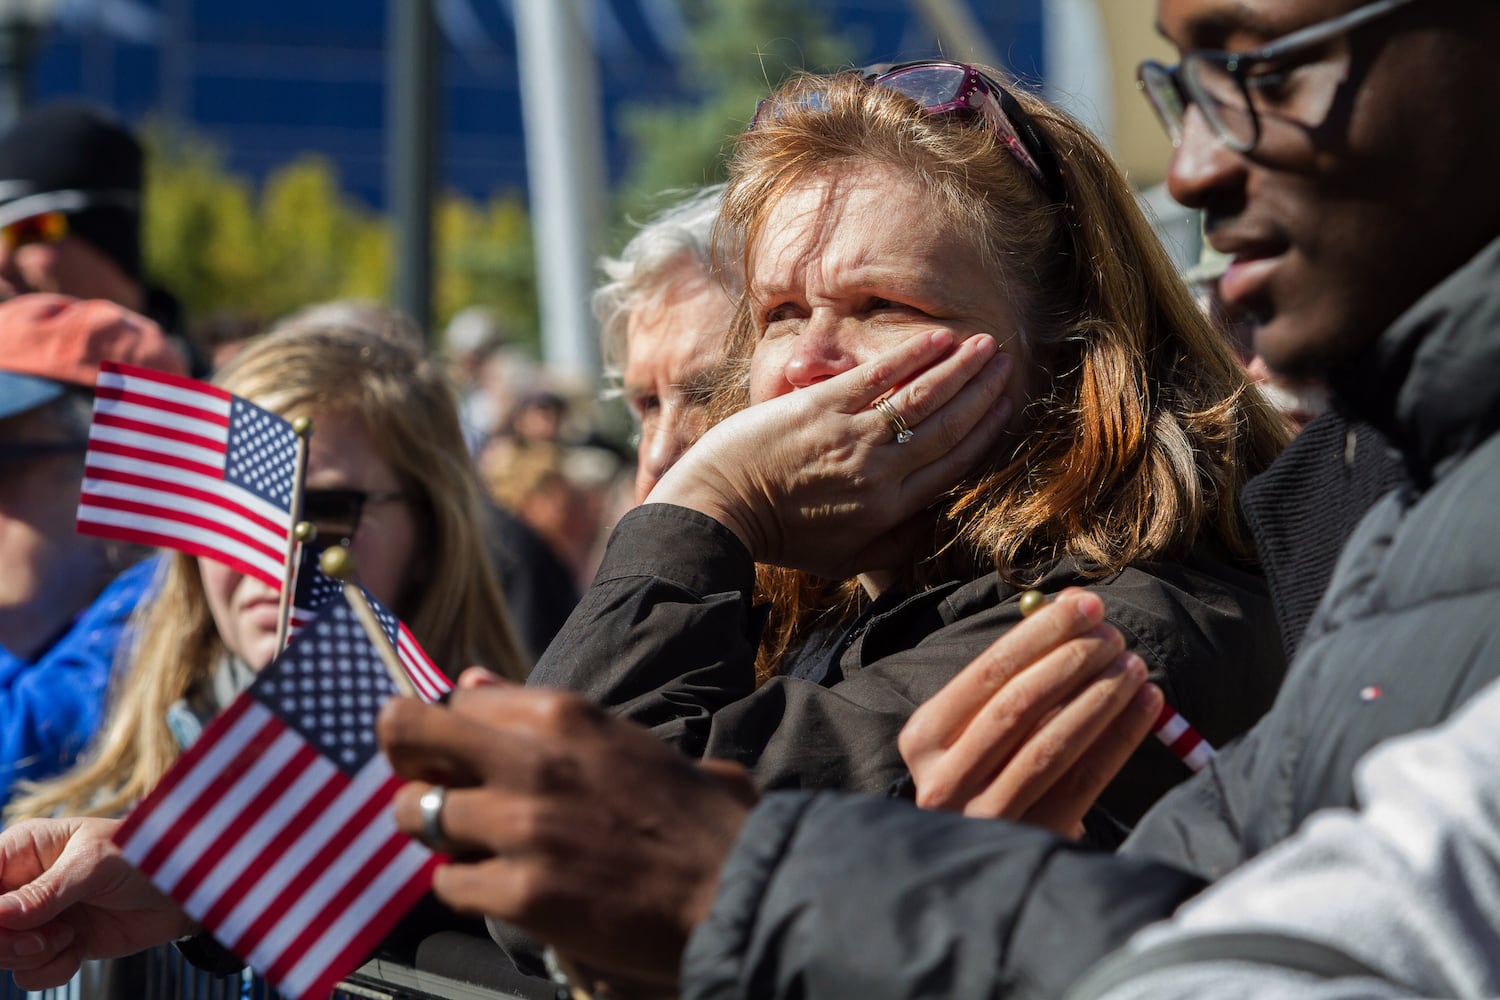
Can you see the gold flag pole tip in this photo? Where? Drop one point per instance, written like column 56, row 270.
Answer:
column 1030, row 603
column 335, row 562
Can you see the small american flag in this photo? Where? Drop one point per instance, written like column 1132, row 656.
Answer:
column 187, row 466
column 274, row 830
column 314, row 589
column 431, row 683
column 1178, row 736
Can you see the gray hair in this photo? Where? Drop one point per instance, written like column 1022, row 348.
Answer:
column 680, row 234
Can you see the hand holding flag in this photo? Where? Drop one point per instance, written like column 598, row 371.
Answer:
column 274, row 829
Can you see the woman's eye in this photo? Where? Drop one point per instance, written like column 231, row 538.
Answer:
column 779, row 313
column 878, row 304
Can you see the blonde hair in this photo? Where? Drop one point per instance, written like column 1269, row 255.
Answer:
column 1145, row 426
column 451, row 601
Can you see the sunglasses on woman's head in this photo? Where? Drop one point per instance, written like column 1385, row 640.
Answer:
column 942, row 88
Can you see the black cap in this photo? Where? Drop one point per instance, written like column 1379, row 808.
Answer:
column 71, row 157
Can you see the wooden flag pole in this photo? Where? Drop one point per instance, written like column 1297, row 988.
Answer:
column 339, row 564
column 302, row 427
column 303, row 532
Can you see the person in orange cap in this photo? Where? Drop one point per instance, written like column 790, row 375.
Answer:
column 64, row 597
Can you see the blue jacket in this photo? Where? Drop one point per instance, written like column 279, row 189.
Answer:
column 50, row 706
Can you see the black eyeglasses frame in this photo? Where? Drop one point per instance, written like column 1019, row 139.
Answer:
column 1152, row 77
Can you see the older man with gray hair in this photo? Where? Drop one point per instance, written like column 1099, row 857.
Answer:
column 664, row 314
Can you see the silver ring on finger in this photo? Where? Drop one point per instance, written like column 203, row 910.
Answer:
column 430, row 805
column 887, row 409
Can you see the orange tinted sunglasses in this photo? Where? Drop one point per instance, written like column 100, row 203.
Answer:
column 48, row 227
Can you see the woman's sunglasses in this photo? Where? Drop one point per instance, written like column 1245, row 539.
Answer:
column 336, row 513
column 942, row 88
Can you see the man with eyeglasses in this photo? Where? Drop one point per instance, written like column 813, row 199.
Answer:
column 64, row 597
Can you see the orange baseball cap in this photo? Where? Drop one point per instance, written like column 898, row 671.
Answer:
column 50, row 342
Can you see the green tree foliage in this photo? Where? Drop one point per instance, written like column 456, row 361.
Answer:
column 224, row 247
column 486, row 259
column 737, row 51
column 200, row 228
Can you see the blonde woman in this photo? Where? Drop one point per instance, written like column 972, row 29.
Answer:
column 387, row 471
column 968, row 369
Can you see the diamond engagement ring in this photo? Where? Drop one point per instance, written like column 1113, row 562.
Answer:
column 887, row 410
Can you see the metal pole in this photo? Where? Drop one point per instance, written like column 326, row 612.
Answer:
column 412, row 110
column 566, row 177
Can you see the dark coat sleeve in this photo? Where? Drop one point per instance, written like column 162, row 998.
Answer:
column 665, row 641
column 841, row 896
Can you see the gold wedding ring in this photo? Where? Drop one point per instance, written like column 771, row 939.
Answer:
column 887, row 410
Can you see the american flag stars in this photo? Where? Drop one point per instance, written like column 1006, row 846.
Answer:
column 329, row 685
column 262, row 453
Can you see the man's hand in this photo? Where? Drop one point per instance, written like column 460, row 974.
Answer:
column 584, row 830
column 69, row 895
column 1036, row 727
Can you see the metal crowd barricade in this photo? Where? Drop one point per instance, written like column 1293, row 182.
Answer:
column 169, row 979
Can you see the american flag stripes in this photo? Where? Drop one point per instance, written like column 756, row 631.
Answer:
column 1178, row 735
column 185, row 465
column 314, row 588
column 431, row 683
column 274, row 829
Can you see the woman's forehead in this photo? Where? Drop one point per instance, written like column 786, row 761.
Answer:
column 867, row 220
column 836, row 205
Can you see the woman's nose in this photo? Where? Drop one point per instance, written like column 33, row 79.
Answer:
column 819, row 353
